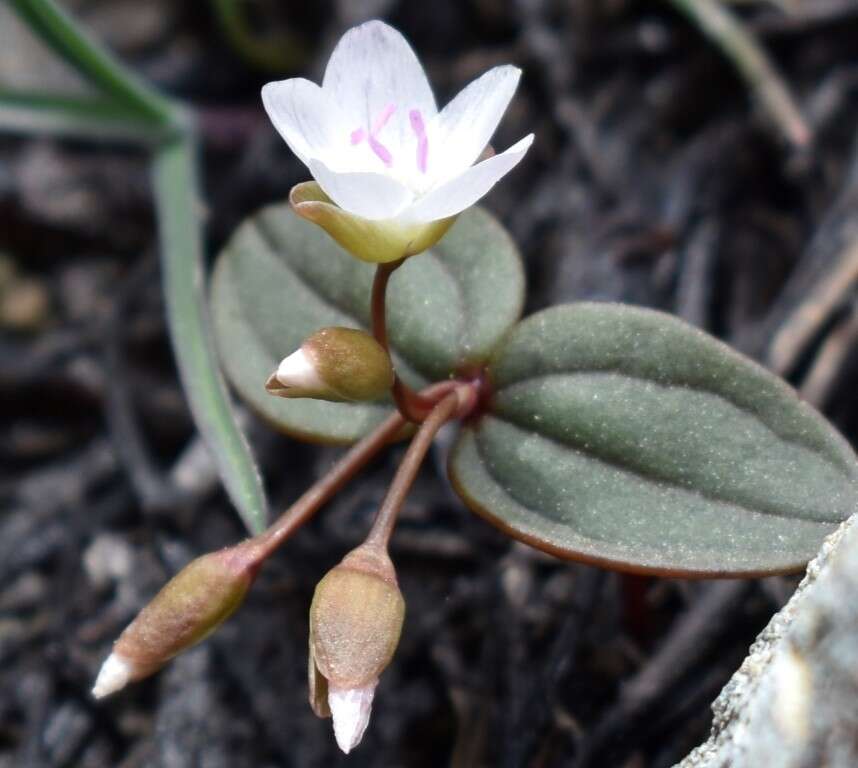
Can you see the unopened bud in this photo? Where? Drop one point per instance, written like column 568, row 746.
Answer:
column 338, row 364
column 194, row 603
column 355, row 622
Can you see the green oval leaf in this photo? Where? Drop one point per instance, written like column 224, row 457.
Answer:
column 280, row 278
column 622, row 436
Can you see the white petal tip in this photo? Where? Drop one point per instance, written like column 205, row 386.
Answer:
column 112, row 677
column 350, row 709
column 298, row 371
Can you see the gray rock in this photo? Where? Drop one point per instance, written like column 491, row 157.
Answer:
column 792, row 703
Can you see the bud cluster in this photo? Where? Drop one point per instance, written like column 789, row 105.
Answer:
column 357, row 610
column 355, row 621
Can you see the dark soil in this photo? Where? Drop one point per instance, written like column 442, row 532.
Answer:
column 654, row 180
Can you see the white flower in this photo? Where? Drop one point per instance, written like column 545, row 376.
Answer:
column 374, row 140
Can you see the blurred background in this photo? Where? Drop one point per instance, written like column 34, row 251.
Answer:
column 658, row 177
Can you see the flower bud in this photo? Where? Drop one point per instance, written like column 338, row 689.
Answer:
column 338, row 364
column 355, row 622
column 376, row 241
column 194, row 603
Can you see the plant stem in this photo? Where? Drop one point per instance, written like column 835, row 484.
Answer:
column 378, row 302
column 412, row 405
column 385, row 520
column 722, row 26
column 313, row 498
column 409, row 403
column 353, row 461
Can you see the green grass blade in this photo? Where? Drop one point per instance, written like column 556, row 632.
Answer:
column 66, row 39
column 181, row 248
column 80, row 117
column 129, row 108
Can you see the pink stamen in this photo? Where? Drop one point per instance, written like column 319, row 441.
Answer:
column 382, row 119
column 419, row 128
column 381, row 151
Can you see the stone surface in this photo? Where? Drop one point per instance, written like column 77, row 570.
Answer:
column 792, row 702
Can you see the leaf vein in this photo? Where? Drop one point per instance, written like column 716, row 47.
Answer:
column 647, row 477
column 846, row 471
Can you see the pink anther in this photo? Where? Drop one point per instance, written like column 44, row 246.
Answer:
column 359, row 134
column 382, row 119
column 419, row 128
column 380, row 150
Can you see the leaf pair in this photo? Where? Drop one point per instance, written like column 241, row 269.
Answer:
column 613, row 434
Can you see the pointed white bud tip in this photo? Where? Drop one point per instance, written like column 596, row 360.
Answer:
column 113, row 676
column 297, row 376
column 350, row 708
column 298, row 370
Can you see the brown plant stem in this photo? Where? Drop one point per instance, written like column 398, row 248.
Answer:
column 378, row 302
column 349, row 465
column 382, row 526
column 412, row 405
column 317, row 495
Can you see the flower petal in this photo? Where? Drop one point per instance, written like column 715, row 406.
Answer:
column 307, row 120
column 464, row 127
column 351, row 709
column 464, row 190
column 370, row 195
column 372, row 68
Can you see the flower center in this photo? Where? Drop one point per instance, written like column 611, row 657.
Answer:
column 415, row 118
column 359, row 134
